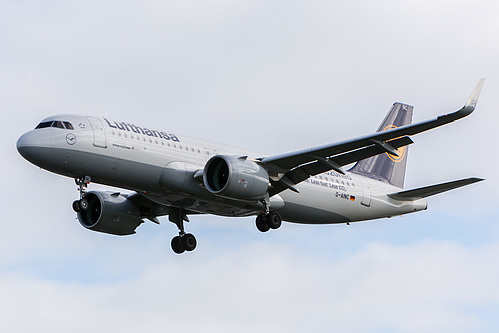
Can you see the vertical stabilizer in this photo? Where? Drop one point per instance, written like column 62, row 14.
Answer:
column 386, row 167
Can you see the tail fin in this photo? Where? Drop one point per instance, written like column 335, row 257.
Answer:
column 386, row 167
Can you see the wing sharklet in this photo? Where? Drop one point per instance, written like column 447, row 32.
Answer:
column 471, row 103
column 423, row 192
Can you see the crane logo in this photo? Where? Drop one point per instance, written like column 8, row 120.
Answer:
column 71, row 139
column 401, row 151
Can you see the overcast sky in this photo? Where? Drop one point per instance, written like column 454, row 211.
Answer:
column 270, row 76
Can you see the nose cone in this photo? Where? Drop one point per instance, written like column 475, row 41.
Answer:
column 23, row 141
column 29, row 147
column 23, row 145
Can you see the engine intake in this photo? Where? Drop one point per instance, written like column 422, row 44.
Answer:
column 235, row 178
column 110, row 213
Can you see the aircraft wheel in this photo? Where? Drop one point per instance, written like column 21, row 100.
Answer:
column 273, row 220
column 189, row 242
column 261, row 223
column 83, row 204
column 177, row 245
column 76, row 206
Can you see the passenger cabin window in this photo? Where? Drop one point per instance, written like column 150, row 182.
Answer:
column 56, row 123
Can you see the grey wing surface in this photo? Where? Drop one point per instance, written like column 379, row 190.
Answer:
column 289, row 169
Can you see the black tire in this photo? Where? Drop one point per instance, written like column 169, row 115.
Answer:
column 261, row 223
column 273, row 220
column 76, row 206
column 189, row 242
column 177, row 245
column 83, row 205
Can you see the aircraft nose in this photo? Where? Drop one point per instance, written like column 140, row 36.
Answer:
column 28, row 146
column 22, row 142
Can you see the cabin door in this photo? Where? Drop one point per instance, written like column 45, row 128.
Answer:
column 99, row 132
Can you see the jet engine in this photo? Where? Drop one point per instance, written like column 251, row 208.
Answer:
column 235, row 178
column 111, row 213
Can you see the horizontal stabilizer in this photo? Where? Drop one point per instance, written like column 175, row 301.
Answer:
column 427, row 191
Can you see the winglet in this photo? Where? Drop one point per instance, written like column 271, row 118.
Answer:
column 474, row 96
column 467, row 109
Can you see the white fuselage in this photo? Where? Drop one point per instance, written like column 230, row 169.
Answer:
column 162, row 166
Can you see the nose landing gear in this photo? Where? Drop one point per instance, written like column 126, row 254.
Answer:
column 82, row 204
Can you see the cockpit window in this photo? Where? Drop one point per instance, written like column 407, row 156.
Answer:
column 58, row 124
column 44, row 124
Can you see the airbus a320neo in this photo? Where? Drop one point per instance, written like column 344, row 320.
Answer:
column 171, row 174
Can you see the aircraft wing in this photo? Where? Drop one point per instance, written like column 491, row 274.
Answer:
column 289, row 169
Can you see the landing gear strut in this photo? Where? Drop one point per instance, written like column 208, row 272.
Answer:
column 183, row 242
column 82, row 204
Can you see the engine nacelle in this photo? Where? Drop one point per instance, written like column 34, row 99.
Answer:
column 235, row 178
column 111, row 213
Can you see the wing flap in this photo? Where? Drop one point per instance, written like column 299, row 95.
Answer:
column 423, row 192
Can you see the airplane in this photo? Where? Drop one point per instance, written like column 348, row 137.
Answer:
column 175, row 175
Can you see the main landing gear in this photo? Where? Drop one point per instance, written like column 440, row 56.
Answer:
column 271, row 220
column 82, row 204
column 268, row 219
column 183, row 242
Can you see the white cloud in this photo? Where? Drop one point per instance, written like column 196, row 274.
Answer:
column 427, row 287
